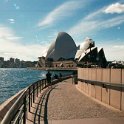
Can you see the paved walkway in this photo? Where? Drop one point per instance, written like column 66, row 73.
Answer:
column 64, row 104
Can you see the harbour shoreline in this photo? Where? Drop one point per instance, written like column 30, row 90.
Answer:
column 54, row 69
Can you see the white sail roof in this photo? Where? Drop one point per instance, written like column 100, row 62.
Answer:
column 63, row 47
column 86, row 52
column 83, row 47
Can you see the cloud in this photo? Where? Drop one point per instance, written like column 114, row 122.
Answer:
column 83, row 27
column 7, row 0
column 24, row 52
column 14, row 38
column 115, row 8
column 112, row 22
column 87, row 23
column 113, row 51
column 16, row 6
column 119, row 47
column 65, row 10
column 11, row 46
column 94, row 14
column 12, row 21
column 6, row 32
column 92, row 23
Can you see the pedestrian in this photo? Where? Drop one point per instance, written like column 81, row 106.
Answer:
column 60, row 75
column 48, row 78
column 74, row 77
column 55, row 76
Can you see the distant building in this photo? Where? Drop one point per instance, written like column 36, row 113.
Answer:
column 11, row 62
column 83, row 47
column 2, row 59
column 65, row 64
column 63, row 47
column 16, row 63
column 101, row 59
column 88, row 55
column 115, row 64
column 63, row 51
column 1, row 62
column 41, row 62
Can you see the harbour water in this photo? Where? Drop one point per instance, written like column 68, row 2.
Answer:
column 13, row 80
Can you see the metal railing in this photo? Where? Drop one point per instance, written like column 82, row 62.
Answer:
column 17, row 113
column 115, row 86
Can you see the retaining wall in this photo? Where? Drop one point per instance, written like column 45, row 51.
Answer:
column 105, row 85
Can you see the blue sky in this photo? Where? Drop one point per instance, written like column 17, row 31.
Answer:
column 27, row 27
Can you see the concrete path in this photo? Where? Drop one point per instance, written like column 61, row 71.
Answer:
column 64, row 104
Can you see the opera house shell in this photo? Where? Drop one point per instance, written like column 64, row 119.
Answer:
column 88, row 53
column 63, row 47
column 88, row 43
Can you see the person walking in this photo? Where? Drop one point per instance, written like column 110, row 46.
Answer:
column 60, row 77
column 48, row 78
column 56, row 76
column 74, row 77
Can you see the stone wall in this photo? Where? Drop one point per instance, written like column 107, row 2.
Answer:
column 105, row 85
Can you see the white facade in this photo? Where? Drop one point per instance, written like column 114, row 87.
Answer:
column 83, row 47
column 86, row 52
column 63, row 47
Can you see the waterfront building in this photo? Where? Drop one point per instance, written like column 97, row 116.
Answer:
column 65, row 63
column 17, row 63
column 86, row 44
column 101, row 59
column 11, row 62
column 63, row 47
column 1, row 61
column 63, row 51
column 88, row 55
column 41, row 62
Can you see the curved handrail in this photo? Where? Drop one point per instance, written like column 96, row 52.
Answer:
column 12, row 115
column 15, row 107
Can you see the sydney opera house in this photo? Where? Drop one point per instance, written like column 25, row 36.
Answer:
column 63, row 52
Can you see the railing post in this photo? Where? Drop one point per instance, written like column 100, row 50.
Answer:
column 45, row 83
column 37, row 89
column 24, row 116
column 33, row 93
column 29, row 98
column 31, row 90
column 40, row 85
